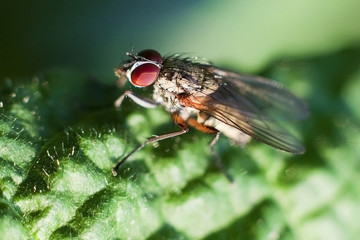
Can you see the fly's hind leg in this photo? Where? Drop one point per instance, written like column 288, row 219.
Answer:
column 201, row 127
column 217, row 159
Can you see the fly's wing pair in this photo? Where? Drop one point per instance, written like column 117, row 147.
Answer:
column 251, row 104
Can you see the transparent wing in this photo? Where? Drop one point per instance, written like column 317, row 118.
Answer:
column 251, row 104
column 268, row 96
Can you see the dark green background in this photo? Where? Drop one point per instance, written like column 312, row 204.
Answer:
column 92, row 36
column 60, row 134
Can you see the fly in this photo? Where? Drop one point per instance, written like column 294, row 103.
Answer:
column 212, row 100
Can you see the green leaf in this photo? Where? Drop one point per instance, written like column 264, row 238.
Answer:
column 61, row 136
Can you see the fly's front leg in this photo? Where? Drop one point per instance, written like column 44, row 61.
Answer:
column 177, row 119
column 140, row 100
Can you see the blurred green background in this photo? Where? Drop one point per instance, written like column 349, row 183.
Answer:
column 60, row 134
column 92, row 36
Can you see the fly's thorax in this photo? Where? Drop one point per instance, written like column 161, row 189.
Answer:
column 171, row 84
column 165, row 92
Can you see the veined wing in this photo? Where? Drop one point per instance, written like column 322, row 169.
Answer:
column 264, row 94
column 250, row 104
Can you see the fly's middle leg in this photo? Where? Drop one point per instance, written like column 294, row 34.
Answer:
column 177, row 119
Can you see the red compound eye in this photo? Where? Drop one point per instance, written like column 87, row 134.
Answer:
column 144, row 74
column 151, row 55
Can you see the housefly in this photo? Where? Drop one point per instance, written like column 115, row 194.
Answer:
column 212, row 100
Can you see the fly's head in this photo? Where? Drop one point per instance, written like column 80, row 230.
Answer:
column 142, row 70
